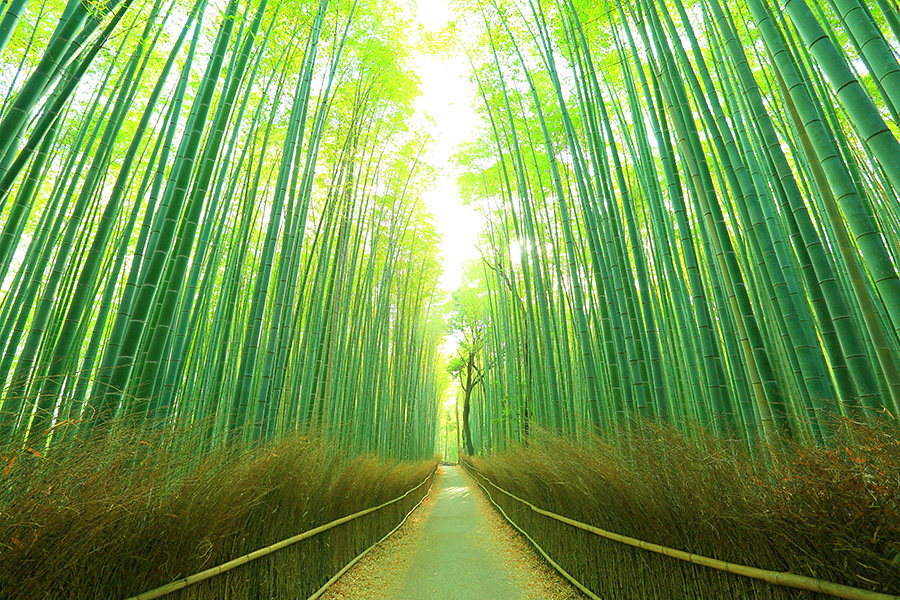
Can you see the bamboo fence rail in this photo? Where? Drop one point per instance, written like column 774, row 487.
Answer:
column 242, row 560
column 791, row 580
column 359, row 556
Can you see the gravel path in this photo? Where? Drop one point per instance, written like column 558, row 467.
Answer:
column 455, row 547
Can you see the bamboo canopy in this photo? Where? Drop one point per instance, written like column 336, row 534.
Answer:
column 692, row 213
column 211, row 217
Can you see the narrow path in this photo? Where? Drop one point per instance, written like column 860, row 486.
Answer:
column 455, row 547
column 455, row 558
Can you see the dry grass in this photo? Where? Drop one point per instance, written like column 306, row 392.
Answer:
column 830, row 513
column 113, row 517
column 380, row 573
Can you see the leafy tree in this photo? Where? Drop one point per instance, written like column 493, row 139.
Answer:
column 466, row 326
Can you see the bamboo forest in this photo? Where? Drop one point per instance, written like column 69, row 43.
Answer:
column 450, row 299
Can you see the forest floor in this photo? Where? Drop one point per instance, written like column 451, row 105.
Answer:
column 454, row 547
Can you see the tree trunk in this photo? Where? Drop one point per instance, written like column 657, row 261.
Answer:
column 458, row 439
column 470, row 385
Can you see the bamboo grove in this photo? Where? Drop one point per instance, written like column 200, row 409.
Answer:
column 693, row 216
column 211, row 218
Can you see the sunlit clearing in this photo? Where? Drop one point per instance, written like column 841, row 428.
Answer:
column 445, row 110
column 515, row 252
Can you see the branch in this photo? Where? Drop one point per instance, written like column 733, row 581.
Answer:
column 497, row 269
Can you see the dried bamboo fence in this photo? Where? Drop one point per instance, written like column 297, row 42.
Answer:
column 776, row 578
column 229, row 566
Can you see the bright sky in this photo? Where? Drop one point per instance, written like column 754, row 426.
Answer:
column 445, row 110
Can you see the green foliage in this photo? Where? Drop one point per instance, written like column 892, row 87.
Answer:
column 241, row 248
column 664, row 239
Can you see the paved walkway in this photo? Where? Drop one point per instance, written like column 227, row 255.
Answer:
column 456, row 559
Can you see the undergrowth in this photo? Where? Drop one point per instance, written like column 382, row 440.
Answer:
column 828, row 513
column 115, row 516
